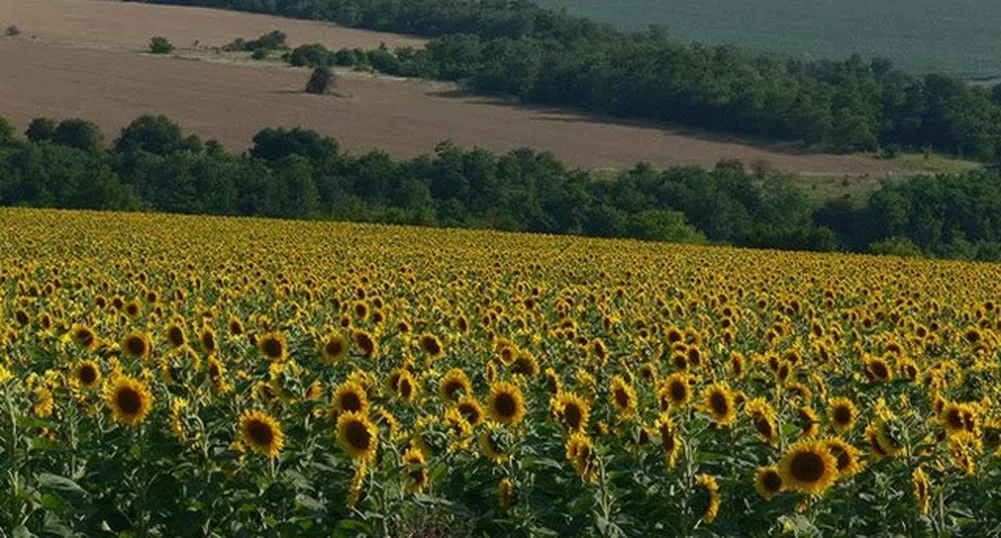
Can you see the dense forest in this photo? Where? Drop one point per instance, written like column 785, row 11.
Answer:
column 517, row 49
column 153, row 166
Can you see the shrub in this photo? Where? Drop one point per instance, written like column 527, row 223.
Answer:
column 321, row 81
column 12, row 31
column 160, row 45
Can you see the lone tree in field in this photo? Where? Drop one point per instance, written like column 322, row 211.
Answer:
column 321, row 81
column 160, row 45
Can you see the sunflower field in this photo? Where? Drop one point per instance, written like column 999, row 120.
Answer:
column 165, row 375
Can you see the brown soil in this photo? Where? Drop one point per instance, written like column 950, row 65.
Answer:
column 118, row 25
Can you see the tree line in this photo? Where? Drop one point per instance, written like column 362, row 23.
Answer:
column 153, row 166
column 517, row 49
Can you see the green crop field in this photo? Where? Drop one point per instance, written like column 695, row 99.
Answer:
column 959, row 37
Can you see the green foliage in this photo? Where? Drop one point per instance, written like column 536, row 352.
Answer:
column 315, row 55
column 160, row 45
column 273, row 40
column 320, row 81
column 299, row 173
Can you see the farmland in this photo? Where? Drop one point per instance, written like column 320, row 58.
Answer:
column 956, row 38
column 85, row 62
column 372, row 380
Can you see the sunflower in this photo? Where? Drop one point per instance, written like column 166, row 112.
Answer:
column 922, row 490
column 350, row 397
column 623, row 397
column 365, row 342
column 525, row 364
column 177, row 406
column 668, row 435
column 207, row 339
column 768, row 481
column 273, row 346
column 174, row 335
column 808, row 467
column 235, row 326
column 430, row 344
column 506, row 492
column 471, row 409
column 414, row 470
column 888, row 435
column 217, row 375
column 708, row 506
column 842, row 413
column 505, row 404
column 953, row 417
column 454, row 384
column 763, row 416
column 87, row 374
column 43, row 402
column 553, row 383
column 877, row 369
column 130, row 400
column 579, row 452
column 809, row 422
column 357, row 436
column 674, row 392
column 136, row 344
column 718, row 401
column 261, row 432
column 495, row 443
column 848, row 457
column 85, row 337
column 572, row 411
column 406, row 386
column 334, row 348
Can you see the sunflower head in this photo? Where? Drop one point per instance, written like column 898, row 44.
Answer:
column 848, row 457
column 706, row 498
column 273, row 346
column 667, row 434
column 808, row 467
column 768, row 481
column 842, row 413
column 525, row 364
column 414, row 470
column 430, row 344
column 718, row 401
column 334, row 348
column 675, row 391
column 261, row 432
column 506, row 403
column 350, row 397
column 623, row 398
column 129, row 399
column 357, row 436
column 454, row 384
column 174, row 335
column 207, row 339
column 472, row 410
column 137, row 345
column 580, row 454
column 85, row 337
column 365, row 342
column 572, row 411
column 87, row 374
column 921, row 487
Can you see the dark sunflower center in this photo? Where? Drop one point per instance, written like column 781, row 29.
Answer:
column 842, row 415
column 470, row 412
column 88, row 375
column 235, row 327
column 176, row 336
column 272, row 348
column 505, row 405
column 763, row 426
column 208, row 341
column 807, row 467
column 844, row 458
column 667, row 439
column 772, row 481
column 719, row 403
column 954, row 418
column 621, row 397
column 431, row 346
column 451, row 388
column 573, row 416
column 129, row 401
column 679, row 392
column 260, row 433
column 406, row 389
column 213, row 370
column 365, row 343
column 879, row 370
column 85, row 337
column 350, row 402
column 136, row 346
column 358, row 435
column 334, row 347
